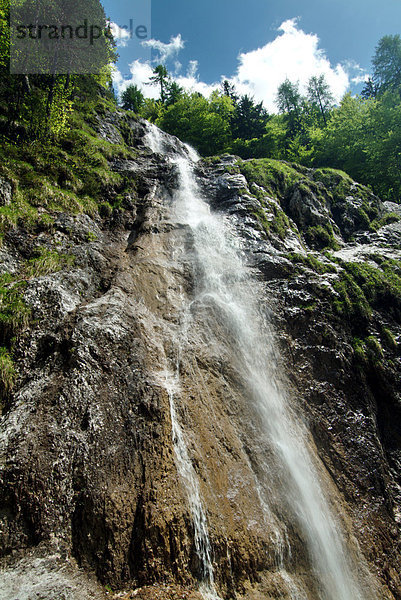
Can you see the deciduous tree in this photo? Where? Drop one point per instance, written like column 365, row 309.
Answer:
column 319, row 94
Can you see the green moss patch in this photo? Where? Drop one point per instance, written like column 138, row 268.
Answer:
column 275, row 176
column 311, row 262
column 8, row 375
column 47, row 261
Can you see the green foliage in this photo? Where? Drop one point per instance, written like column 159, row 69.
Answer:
column 362, row 288
column 280, row 223
column 47, row 261
column 321, row 236
column 152, row 110
column 320, row 96
column 361, row 136
column 338, row 182
column 289, row 102
column 160, row 78
column 367, row 351
column 91, row 236
column 132, row 99
column 351, row 301
column 276, row 177
column 4, row 34
column 386, row 220
column 248, row 120
column 360, row 352
column 14, row 314
column 70, row 174
column 389, row 339
column 375, row 351
column 202, row 123
column 38, row 106
column 7, row 374
column 311, row 262
column 387, row 63
column 380, row 286
column 288, row 97
column 277, row 223
column 174, row 93
column 370, row 89
column 270, row 145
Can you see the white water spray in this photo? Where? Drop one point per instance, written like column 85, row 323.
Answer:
column 153, row 139
column 227, row 293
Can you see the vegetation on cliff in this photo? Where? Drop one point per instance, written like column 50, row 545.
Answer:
column 361, row 136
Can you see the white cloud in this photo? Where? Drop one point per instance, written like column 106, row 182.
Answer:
column 192, row 68
column 140, row 73
column 360, row 79
column 166, row 51
column 293, row 54
column 356, row 73
column 120, row 34
column 177, row 67
column 190, row 82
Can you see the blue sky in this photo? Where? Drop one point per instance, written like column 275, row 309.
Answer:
column 242, row 40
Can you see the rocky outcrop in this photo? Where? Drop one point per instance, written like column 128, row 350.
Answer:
column 89, row 484
column 5, row 192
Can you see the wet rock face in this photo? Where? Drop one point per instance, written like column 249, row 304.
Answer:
column 348, row 397
column 88, row 474
column 5, row 192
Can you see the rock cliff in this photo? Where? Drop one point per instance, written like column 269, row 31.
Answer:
column 91, row 502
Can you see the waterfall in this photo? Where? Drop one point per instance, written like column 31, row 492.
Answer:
column 190, row 481
column 227, row 294
column 185, row 469
column 153, row 139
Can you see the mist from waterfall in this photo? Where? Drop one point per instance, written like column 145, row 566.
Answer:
column 227, row 294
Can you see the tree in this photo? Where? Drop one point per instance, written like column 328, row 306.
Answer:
column 288, row 98
column 198, row 121
column 4, row 35
column 289, row 102
column 37, row 98
column 173, row 93
column 132, row 99
column 370, row 89
column 319, row 94
column 221, row 105
column 387, row 63
column 249, row 119
column 160, row 77
column 228, row 89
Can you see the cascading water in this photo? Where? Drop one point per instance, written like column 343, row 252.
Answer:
column 226, row 293
column 189, row 479
column 153, row 139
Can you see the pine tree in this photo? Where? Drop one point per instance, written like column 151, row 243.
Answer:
column 132, row 99
column 160, row 78
column 173, row 93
